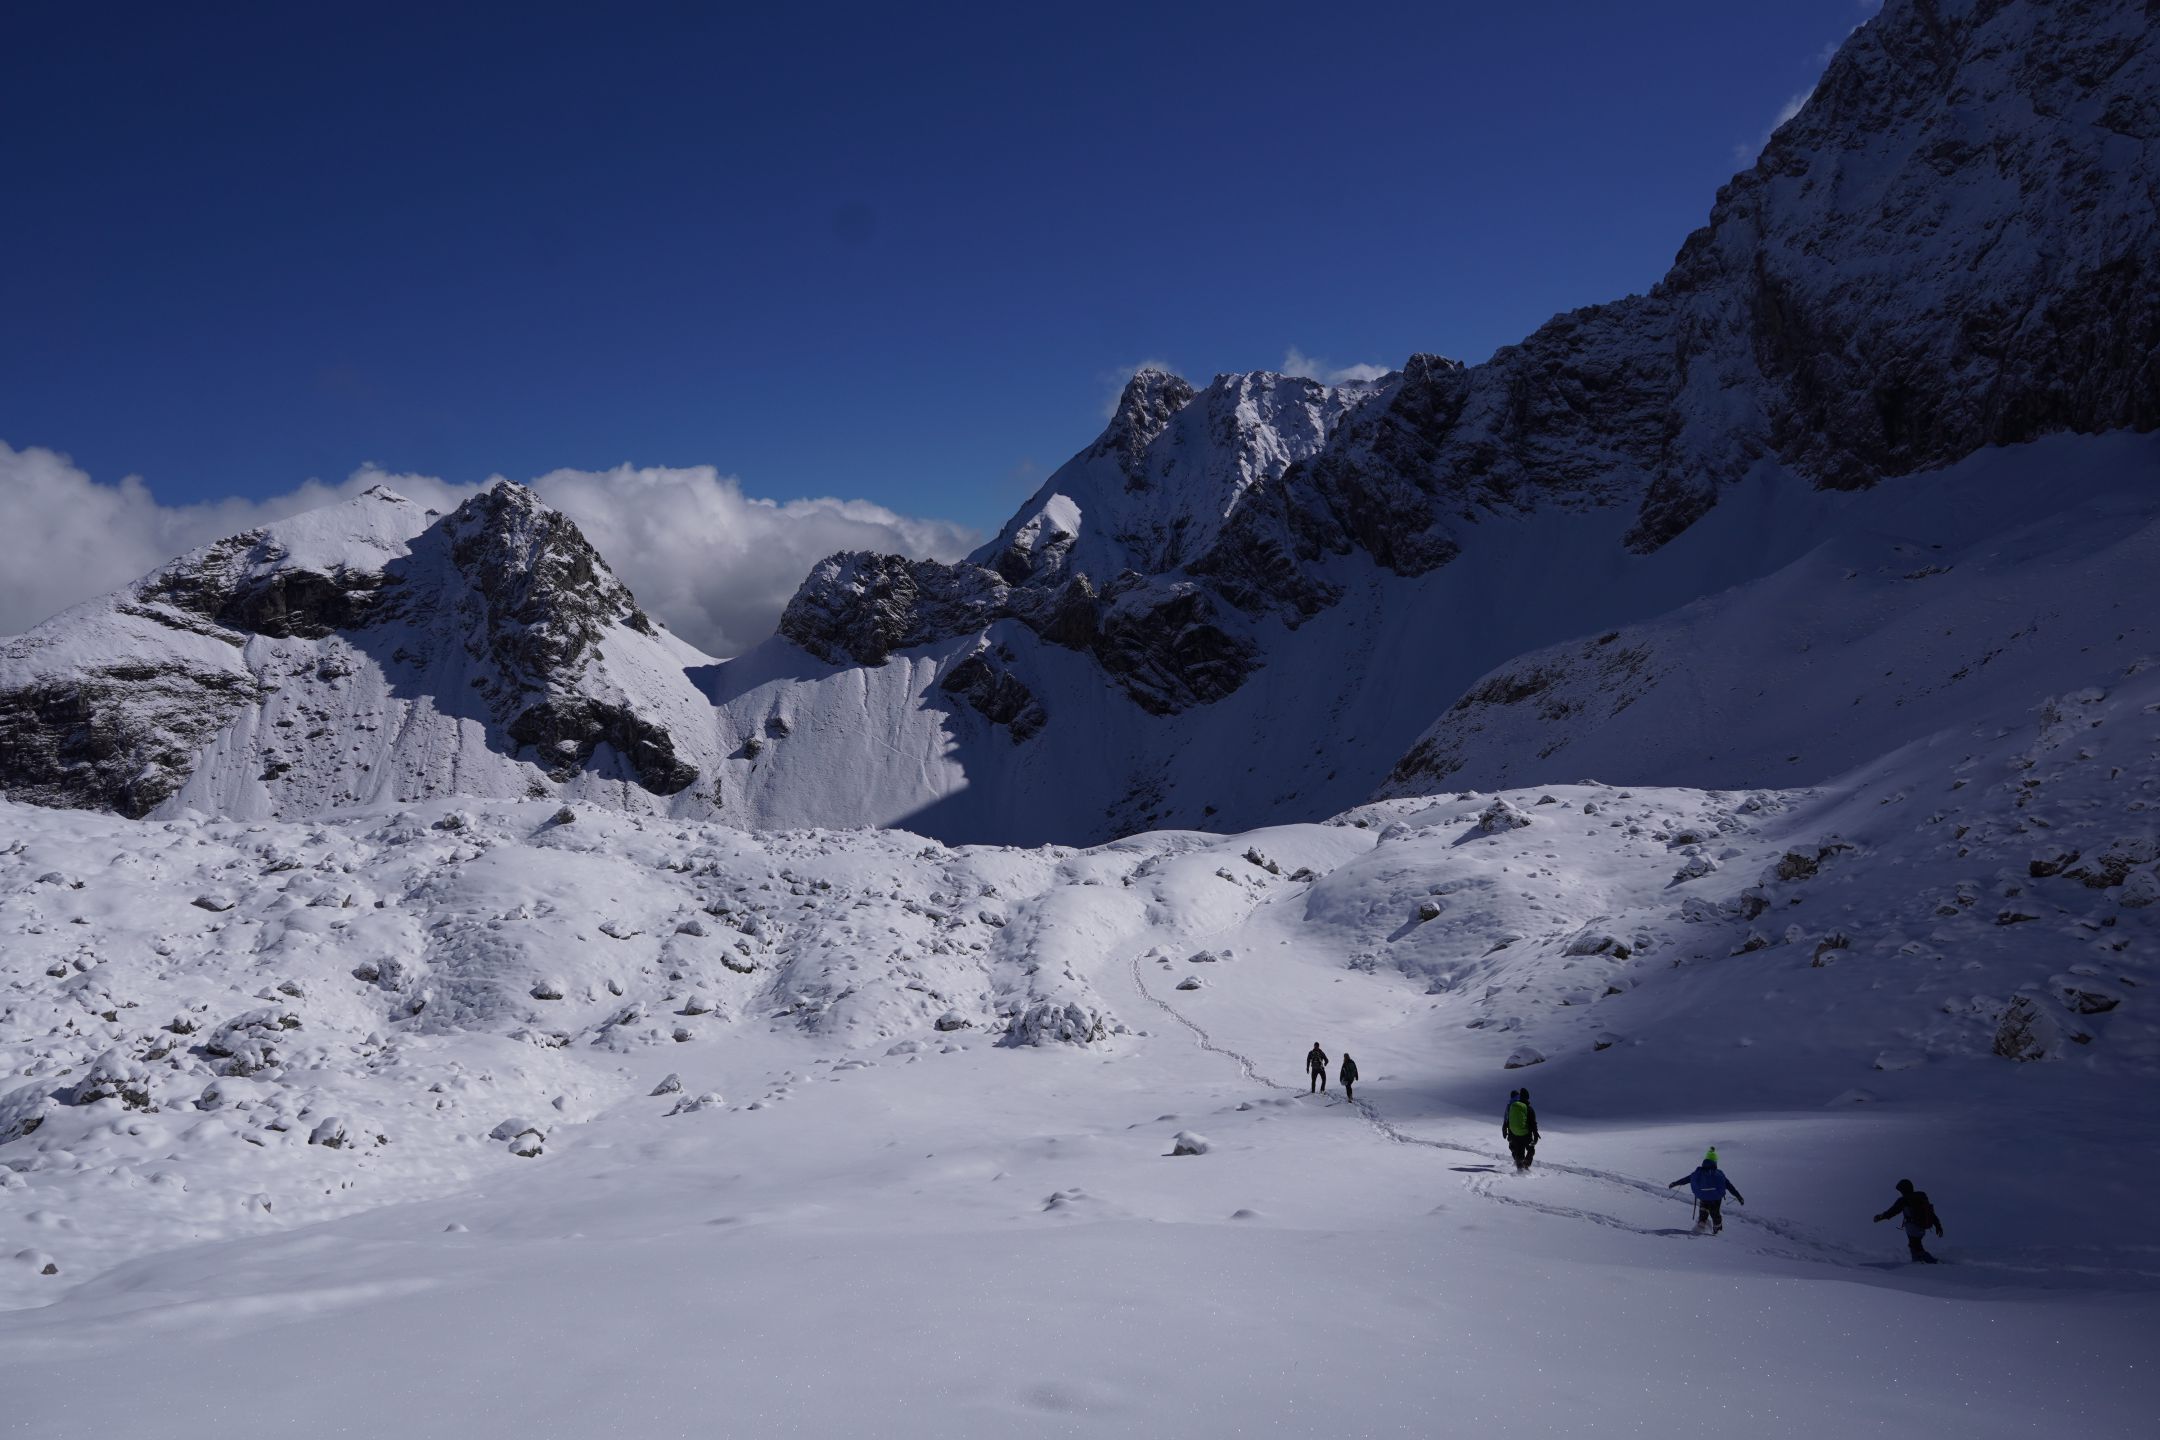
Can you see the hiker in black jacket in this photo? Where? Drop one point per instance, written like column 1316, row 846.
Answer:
column 1920, row 1217
column 1348, row 1075
column 1316, row 1068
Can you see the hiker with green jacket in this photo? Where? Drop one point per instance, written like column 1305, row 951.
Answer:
column 1518, row 1126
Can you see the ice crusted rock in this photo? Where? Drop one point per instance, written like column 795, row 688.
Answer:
column 1185, row 1142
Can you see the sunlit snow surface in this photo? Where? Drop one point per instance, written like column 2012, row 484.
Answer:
column 884, row 1227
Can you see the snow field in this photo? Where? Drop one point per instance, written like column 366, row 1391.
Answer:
column 933, row 1187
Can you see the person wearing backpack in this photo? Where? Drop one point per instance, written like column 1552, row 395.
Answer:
column 1710, row 1188
column 1518, row 1126
column 1348, row 1075
column 1316, row 1069
column 1920, row 1217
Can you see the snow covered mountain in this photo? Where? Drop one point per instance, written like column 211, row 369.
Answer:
column 367, row 651
column 1246, row 603
column 1243, row 604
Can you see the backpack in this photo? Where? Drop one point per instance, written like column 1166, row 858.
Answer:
column 1518, row 1118
column 1919, row 1212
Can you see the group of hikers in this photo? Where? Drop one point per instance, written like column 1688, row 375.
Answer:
column 1316, row 1072
column 1709, row 1184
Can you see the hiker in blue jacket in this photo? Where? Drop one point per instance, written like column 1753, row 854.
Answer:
column 1710, row 1187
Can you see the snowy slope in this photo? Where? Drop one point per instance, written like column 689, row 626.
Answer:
column 861, row 1143
column 1947, row 600
column 364, row 652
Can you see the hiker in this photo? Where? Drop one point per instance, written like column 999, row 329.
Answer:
column 1519, row 1128
column 1920, row 1217
column 1348, row 1074
column 1316, row 1068
column 1710, row 1185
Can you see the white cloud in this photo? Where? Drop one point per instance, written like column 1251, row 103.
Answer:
column 717, row 565
column 1297, row 362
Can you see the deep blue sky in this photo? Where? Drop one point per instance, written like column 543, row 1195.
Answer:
column 864, row 252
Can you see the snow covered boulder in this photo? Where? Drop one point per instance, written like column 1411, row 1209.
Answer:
column 1185, row 1142
column 670, row 1086
column 952, row 1020
column 2027, row 1031
column 515, row 1126
column 1500, row 817
column 1048, row 1021
column 1522, row 1056
column 2112, row 866
column 1694, row 868
column 115, row 1075
column 1594, row 939
column 22, row 1111
column 1804, row 862
column 1190, row 982
column 216, row 902
column 691, row 1104
column 252, row 1042
column 330, row 1133
column 527, row 1144
column 2084, row 995
column 2139, row 889
column 1429, row 909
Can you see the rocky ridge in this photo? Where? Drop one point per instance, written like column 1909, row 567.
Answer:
column 488, row 629
column 1951, row 246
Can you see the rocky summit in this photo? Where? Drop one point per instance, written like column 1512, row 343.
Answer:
column 1262, row 598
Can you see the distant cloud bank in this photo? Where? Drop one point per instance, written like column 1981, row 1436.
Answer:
column 715, row 564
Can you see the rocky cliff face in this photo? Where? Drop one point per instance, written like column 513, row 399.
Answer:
column 370, row 649
column 1953, row 245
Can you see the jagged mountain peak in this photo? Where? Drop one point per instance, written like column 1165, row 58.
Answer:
column 363, row 650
